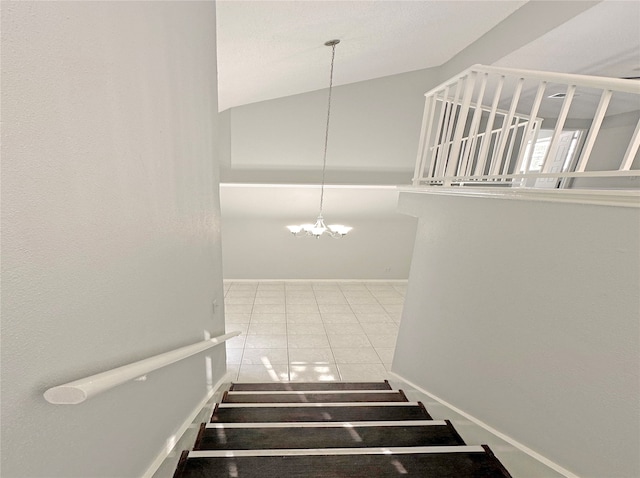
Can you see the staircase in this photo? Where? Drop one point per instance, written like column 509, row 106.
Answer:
column 329, row 429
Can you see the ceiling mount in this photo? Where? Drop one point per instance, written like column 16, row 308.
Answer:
column 331, row 42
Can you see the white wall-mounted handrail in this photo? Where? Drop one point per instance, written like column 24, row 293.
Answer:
column 80, row 390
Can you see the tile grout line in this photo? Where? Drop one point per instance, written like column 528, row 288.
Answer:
column 225, row 292
column 286, row 332
column 393, row 321
column 360, row 323
column 327, row 336
column 354, row 314
column 244, row 347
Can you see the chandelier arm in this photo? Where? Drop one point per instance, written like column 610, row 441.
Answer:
column 326, row 133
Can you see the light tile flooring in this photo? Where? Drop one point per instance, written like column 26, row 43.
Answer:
column 312, row 331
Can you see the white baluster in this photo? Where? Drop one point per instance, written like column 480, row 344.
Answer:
column 436, row 156
column 562, row 116
column 473, row 129
column 527, row 132
column 484, row 149
column 461, row 122
column 451, row 118
column 601, row 111
column 632, row 149
column 506, row 126
column 425, row 131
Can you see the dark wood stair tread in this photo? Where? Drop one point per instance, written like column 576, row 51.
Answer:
column 319, row 413
column 462, row 463
column 305, row 386
column 339, row 435
column 308, row 397
column 330, row 429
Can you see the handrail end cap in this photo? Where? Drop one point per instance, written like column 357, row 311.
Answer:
column 65, row 395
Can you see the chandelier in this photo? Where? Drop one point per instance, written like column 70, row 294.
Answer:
column 319, row 228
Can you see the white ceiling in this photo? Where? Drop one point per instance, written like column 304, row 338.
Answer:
column 271, row 49
column 604, row 41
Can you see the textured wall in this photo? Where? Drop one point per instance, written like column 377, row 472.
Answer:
column 525, row 315
column 257, row 245
column 374, row 249
column 110, row 226
column 374, row 132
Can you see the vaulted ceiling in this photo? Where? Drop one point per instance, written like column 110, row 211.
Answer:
column 271, row 49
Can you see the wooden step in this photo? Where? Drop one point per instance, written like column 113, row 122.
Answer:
column 319, row 412
column 444, row 461
column 239, row 436
column 316, row 396
column 306, row 386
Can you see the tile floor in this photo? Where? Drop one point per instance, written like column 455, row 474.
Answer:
column 312, row 331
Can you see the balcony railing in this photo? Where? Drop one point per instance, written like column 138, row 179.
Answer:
column 517, row 128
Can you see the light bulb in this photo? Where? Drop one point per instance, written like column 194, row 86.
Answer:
column 340, row 229
column 318, row 231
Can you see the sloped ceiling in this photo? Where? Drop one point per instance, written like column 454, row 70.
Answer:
column 271, row 49
column 604, row 41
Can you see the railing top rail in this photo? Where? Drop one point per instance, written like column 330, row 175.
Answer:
column 500, row 111
column 78, row 391
column 599, row 82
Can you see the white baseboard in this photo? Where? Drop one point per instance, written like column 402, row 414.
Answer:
column 175, row 438
column 397, row 281
column 515, row 443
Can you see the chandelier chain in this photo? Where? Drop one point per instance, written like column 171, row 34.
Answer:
column 326, row 133
column 319, row 228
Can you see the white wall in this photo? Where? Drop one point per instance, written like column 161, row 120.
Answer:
column 373, row 139
column 525, row 315
column 368, row 252
column 374, row 132
column 257, row 244
column 609, row 149
column 110, row 226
